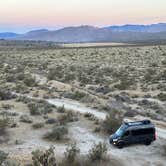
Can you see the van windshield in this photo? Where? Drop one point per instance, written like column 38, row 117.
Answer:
column 121, row 130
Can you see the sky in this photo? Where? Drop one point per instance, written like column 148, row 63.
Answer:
column 24, row 15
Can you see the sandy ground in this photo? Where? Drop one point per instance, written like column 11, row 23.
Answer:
column 83, row 135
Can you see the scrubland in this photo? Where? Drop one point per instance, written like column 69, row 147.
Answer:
column 64, row 103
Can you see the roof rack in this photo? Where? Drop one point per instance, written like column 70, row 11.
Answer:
column 143, row 122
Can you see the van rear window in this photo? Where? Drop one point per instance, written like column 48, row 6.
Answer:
column 143, row 131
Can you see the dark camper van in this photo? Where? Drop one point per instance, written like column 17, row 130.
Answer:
column 139, row 132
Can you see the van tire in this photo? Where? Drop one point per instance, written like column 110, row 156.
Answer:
column 120, row 145
column 147, row 142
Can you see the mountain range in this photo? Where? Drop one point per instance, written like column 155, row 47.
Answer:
column 86, row 33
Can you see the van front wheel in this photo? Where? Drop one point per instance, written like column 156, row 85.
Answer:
column 147, row 142
column 120, row 145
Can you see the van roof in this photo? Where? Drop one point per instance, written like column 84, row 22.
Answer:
column 139, row 124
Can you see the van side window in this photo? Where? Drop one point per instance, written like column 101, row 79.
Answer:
column 135, row 132
column 126, row 133
column 142, row 131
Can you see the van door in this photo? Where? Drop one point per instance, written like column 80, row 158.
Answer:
column 126, row 137
column 135, row 136
column 138, row 136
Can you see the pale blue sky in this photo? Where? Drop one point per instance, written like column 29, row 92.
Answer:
column 23, row 15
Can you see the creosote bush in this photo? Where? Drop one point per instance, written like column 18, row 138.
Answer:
column 69, row 116
column 39, row 108
column 112, row 121
column 5, row 94
column 4, row 122
column 3, row 157
column 57, row 133
column 61, row 109
column 98, row 152
column 90, row 116
column 29, row 80
column 162, row 96
column 38, row 125
column 44, row 158
column 71, row 153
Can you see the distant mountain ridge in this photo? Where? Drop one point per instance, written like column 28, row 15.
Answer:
column 7, row 35
column 160, row 27
column 86, row 33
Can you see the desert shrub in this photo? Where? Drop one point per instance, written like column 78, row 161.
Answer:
column 98, row 152
column 89, row 116
column 23, row 99
column 162, row 96
column 29, row 80
column 71, row 153
column 21, row 88
column 124, row 84
column 3, row 157
column 37, row 108
column 154, row 65
column 57, row 133
column 164, row 62
column 20, row 76
column 130, row 113
column 69, row 116
column 69, row 77
column 149, row 75
column 76, row 95
column 56, row 73
column 7, row 106
column 10, row 162
column 38, row 125
column 61, row 109
column 36, row 94
column 4, row 122
column 5, row 95
column 112, row 121
column 44, row 158
column 97, row 129
column 10, row 78
column 34, row 109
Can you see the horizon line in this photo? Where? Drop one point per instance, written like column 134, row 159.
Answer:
column 79, row 25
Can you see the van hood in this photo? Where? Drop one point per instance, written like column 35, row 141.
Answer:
column 113, row 137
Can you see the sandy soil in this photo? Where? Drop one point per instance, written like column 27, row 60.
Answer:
column 81, row 133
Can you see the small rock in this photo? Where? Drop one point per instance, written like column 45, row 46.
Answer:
column 18, row 142
column 26, row 119
column 51, row 121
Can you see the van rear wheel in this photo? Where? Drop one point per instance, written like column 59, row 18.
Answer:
column 147, row 142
